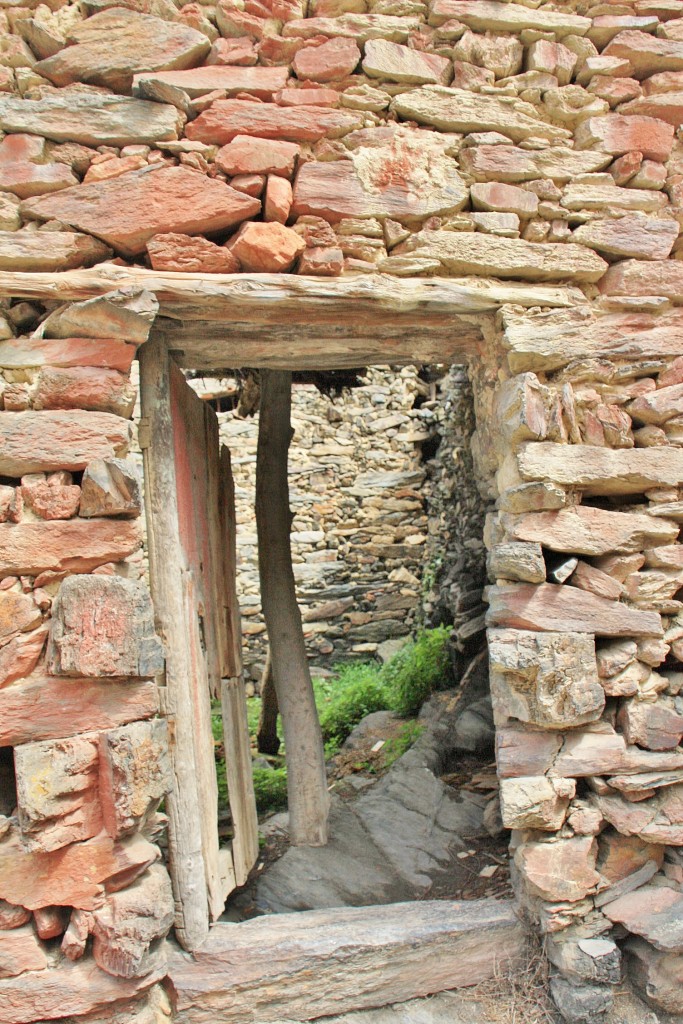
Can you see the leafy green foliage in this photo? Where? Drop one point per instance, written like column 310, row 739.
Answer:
column 417, row 670
column 358, row 692
column 270, row 788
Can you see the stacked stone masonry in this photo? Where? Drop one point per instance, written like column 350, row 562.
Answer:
column 463, row 138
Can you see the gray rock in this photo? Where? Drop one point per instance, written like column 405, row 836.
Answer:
column 580, row 1003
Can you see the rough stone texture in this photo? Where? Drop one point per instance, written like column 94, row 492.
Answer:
column 189, row 255
column 92, row 119
column 84, row 387
column 110, row 47
column 73, row 877
column 560, row 870
column 654, row 912
column 226, row 119
column 57, row 792
column 103, row 626
column 457, row 942
column 491, row 16
column 126, row 314
column 457, row 110
column 657, row 973
column 110, row 487
column 20, row 950
column 602, row 470
column 65, row 546
column 49, row 708
column 261, row 82
column 129, row 210
column 401, row 64
column 584, row 530
column 38, row 442
column 465, row 253
column 135, row 775
column 566, row 609
column 548, row 679
column 641, row 238
column 535, row 802
column 267, row 248
column 617, row 133
column 64, row 250
column 16, row 353
column 334, row 59
column 248, row 155
column 129, row 928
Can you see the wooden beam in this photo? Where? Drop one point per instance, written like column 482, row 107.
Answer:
column 366, row 299
column 323, row 962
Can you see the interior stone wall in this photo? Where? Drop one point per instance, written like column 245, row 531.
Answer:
column 532, row 148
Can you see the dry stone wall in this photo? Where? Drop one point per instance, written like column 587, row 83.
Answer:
column 524, row 142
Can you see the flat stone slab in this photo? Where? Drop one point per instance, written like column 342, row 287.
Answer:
column 457, row 110
column 129, row 210
column 655, row 912
column 75, row 545
column 321, row 962
column 37, row 442
column 491, row 16
column 466, row 252
column 549, row 607
column 227, row 118
column 49, row 250
column 511, row 164
column 109, row 48
column 602, row 471
column 261, row 82
column 93, row 119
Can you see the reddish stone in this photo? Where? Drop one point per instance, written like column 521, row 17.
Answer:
column 322, row 261
column 558, row 871
column 103, row 626
column 666, row 106
column 113, row 168
column 250, row 184
column 653, row 911
column 17, row 353
column 333, row 60
column 316, row 232
column 240, row 52
column 50, row 922
column 502, row 198
column 227, row 118
column 666, row 81
column 75, row 876
column 617, row 133
column 267, row 248
column 653, row 726
column 20, row 655
column 110, row 487
column 620, row 856
column 128, row 929
column 11, row 504
column 21, row 950
column 51, row 502
column 18, row 613
column 69, row 989
column 110, row 47
column 566, row 609
column 261, row 82
column 278, row 50
column 23, row 170
column 188, row 254
column 57, row 792
column 278, row 199
column 614, row 90
column 46, row 708
column 131, row 209
column 307, row 97
column 135, row 775
column 35, row 442
column 12, row 916
column 246, row 155
column 73, row 545
column 647, row 54
column 643, row 277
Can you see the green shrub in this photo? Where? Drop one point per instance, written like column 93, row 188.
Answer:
column 357, row 692
column 270, row 789
column 417, row 670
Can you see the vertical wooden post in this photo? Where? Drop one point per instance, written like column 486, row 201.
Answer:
column 166, row 577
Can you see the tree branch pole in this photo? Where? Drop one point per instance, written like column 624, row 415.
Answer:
column 306, row 779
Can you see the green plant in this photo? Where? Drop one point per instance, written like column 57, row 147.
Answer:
column 417, row 670
column 358, row 692
column 397, row 747
column 270, row 789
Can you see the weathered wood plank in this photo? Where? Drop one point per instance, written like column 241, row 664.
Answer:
column 240, row 783
column 167, row 564
column 323, row 962
column 216, row 296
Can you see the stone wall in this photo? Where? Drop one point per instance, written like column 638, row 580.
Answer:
column 360, row 495
column 503, row 143
column 85, row 901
